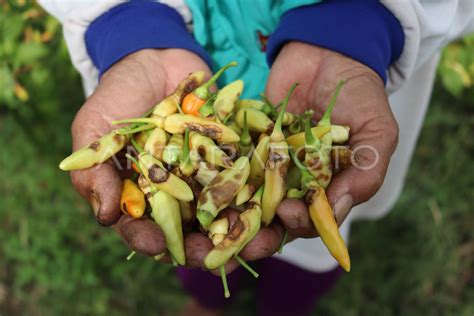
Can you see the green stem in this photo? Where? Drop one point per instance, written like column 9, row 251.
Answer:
column 246, row 266
column 245, row 139
column 307, row 178
column 257, row 197
column 137, row 146
column 312, row 144
column 132, row 159
column 131, row 255
column 224, row 281
column 202, row 91
column 294, row 193
column 207, row 109
column 277, row 134
column 326, row 119
column 147, row 120
column 268, row 107
column 227, row 118
column 186, row 165
column 142, row 127
column 283, row 241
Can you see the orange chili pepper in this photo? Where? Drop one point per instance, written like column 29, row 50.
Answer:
column 132, row 200
column 195, row 100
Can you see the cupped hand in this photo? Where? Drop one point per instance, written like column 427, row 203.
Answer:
column 128, row 89
column 362, row 104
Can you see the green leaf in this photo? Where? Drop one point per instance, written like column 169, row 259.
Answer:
column 30, row 52
column 452, row 81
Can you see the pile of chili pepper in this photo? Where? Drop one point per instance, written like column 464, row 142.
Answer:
column 198, row 152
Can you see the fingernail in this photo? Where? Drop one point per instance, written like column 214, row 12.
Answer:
column 342, row 208
column 95, row 202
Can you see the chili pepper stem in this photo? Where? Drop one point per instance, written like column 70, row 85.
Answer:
column 141, row 128
column 135, row 120
column 202, row 91
column 283, row 241
column 313, row 143
column 131, row 255
column 186, row 164
column 277, row 134
column 137, row 146
column 246, row 266
column 224, row 281
column 326, row 118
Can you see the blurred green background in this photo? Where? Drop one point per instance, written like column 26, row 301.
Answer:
column 55, row 259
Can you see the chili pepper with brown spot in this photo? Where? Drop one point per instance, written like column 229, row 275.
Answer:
column 95, row 153
column 154, row 171
column 207, row 149
column 218, row 194
column 241, row 233
column 177, row 123
column 317, row 159
column 156, row 143
column 322, row 216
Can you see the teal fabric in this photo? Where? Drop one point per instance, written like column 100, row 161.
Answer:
column 229, row 30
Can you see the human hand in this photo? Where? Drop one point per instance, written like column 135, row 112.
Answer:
column 128, row 89
column 362, row 104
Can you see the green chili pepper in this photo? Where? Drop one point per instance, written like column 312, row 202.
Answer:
column 240, row 234
column 218, row 194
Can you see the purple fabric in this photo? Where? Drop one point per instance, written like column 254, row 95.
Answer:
column 282, row 288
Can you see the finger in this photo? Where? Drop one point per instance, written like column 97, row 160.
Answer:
column 265, row 244
column 102, row 187
column 294, row 216
column 372, row 148
column 197, row 247
column 142, row 235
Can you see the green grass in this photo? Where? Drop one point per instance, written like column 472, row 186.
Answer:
column 55, row 259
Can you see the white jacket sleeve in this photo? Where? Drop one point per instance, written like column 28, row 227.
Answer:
column 428, row 26
column 76, row 15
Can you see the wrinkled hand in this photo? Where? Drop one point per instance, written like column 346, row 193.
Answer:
column 128, row 89
column 362, row 104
